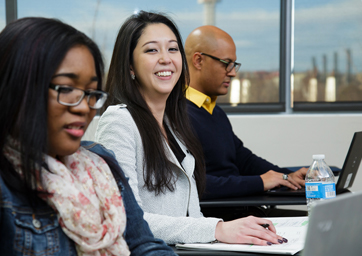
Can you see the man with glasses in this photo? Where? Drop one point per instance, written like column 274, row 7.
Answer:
column 232, row 169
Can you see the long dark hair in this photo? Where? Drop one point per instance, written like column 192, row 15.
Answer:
column 158, row 175
column 31, row 51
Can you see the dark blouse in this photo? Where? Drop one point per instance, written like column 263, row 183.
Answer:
column 175, row 147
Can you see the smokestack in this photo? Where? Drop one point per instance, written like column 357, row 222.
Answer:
column 349, row 65
column 335, row 68
column 324, row 67
column 315, row 68
column 209, row 11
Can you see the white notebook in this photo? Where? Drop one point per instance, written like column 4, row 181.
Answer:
column 294, row 229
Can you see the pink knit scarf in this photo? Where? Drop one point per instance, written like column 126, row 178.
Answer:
column 86, row 198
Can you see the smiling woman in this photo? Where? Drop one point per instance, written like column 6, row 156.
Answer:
column 147, row 127
column 157, row 64
column 56, row 197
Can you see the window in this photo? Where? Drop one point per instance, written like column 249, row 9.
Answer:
column 2, row 15
column 101, row 20
column 253, row 25
column 255, row 28
column 327, row 54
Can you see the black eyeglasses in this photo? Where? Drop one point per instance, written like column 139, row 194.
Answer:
column 70, row 96
column 229, row 65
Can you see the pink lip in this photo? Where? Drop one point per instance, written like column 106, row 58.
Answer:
column 75, row 129
column 165, row 70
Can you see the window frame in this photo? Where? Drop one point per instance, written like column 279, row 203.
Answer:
column 320, row 107
column 284, row 70
column 285, row 104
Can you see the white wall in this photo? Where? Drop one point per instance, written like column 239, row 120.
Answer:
column 288, row 140
column 291, row 140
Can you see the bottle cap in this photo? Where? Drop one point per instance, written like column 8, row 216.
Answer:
column 318, row 157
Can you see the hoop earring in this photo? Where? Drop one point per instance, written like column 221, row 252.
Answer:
column 133, row 76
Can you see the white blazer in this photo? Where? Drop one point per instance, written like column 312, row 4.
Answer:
column 166, row 212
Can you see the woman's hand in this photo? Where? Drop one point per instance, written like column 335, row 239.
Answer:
column 248, row 231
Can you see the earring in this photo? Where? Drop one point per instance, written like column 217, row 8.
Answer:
column 133, row 76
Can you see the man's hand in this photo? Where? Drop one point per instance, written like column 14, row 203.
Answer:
column 272, row 179
column 299, row 176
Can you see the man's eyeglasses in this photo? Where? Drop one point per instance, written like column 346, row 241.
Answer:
column 229, row 65
column 70, row 96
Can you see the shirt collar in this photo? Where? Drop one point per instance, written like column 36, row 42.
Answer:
column 201, row 100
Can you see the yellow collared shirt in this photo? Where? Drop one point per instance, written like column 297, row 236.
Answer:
column 200, row 99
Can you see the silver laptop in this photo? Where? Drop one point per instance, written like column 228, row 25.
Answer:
column 335, row 227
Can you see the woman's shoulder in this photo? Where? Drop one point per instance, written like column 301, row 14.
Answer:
column 116, row 120
column 116, row 114
column 119, row 109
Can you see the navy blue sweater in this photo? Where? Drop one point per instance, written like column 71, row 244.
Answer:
column 232, row 170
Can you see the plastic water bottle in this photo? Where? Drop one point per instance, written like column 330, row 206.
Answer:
column 319, row 182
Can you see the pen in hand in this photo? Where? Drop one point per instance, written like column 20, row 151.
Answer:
column 264, row 225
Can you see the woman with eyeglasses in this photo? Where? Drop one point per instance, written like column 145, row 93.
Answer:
column 147, row 127
column 57, row 198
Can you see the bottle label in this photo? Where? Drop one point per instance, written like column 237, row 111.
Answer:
column 328, row 190
column 320, row 190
